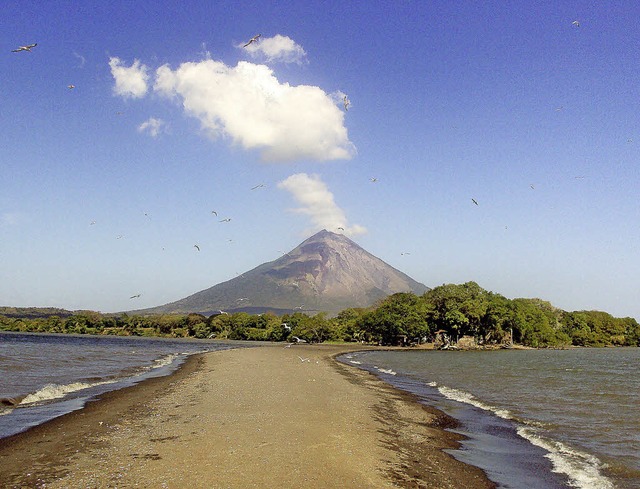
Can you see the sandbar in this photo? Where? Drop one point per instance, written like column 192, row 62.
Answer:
column 267, row 416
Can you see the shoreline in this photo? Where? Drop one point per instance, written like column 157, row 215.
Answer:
column 263, row 417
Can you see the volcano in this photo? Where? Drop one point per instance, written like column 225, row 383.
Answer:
column 325, row 273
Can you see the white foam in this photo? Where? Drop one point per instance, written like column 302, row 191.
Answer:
column 387, row 371
column 356, row 362
column 467, row 398
column 164, row 361
column 582, row 468
column 55, row 391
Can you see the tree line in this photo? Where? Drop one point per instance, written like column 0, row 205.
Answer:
column 453, row 311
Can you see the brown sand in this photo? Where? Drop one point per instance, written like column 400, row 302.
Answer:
column 254, row 417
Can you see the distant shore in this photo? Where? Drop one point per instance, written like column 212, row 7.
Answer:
column 255, row 417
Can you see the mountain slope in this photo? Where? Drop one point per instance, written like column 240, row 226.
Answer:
column 327, row 272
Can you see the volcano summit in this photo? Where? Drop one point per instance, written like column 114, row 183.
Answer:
column 326, row 273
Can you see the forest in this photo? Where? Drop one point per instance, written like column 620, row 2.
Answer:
column 449, row 311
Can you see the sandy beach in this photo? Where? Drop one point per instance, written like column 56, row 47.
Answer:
column 251, row 417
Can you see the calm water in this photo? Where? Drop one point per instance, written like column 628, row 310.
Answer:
column 44, row 376
column 535, row 418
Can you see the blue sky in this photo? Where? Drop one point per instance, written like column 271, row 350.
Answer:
column 106, row 187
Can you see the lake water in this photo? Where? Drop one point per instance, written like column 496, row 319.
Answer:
column 43, row 376
column 534, row 418
column 543, row 419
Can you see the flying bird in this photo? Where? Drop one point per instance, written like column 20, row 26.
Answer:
column 71, row 87
column 196, row 247
column 576, row 23
column 214, row 213
column 346, row 102
column 135, row 296
column 120, row 236
column 373, row 179
column 341, row 228
column 405, row 253
column 228, row 219
column 253, row 39
column 258, row 186
column 28, row 47
column 474, row 201
column 92, row 223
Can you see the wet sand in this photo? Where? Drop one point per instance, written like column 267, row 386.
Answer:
column 254, row 417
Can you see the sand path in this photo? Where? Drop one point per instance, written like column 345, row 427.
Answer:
column 250, row 417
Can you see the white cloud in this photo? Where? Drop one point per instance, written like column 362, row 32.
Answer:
column 318, row 203
column 153, row 126
column 249, row 105
column 277, row 48
column 131, row 81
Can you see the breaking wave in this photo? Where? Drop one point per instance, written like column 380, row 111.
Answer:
column 582, row 469
column 54, row 391
column 387, row 371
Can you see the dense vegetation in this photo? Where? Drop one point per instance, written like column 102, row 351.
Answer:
column 456, row 311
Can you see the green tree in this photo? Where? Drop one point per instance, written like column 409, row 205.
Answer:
column 400, row 317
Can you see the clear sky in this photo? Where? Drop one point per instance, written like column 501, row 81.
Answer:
column 530, row 109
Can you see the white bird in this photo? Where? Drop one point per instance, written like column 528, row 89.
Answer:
column 576, row 23
column 258, row 186
column 214, row 213
column 253, row 39
column 298, row 340
column 373, row 179
column 286, row 326
column 120, row 236
column 405, row 253
column 242, row 299
column 28, row 47
column 222, row 312
column 304, row 359
column 196, row 247
column 71, row 87
column 92, row 223
column 474, row 201
column 346, row 102
column 228, row 219
column 135, row 296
